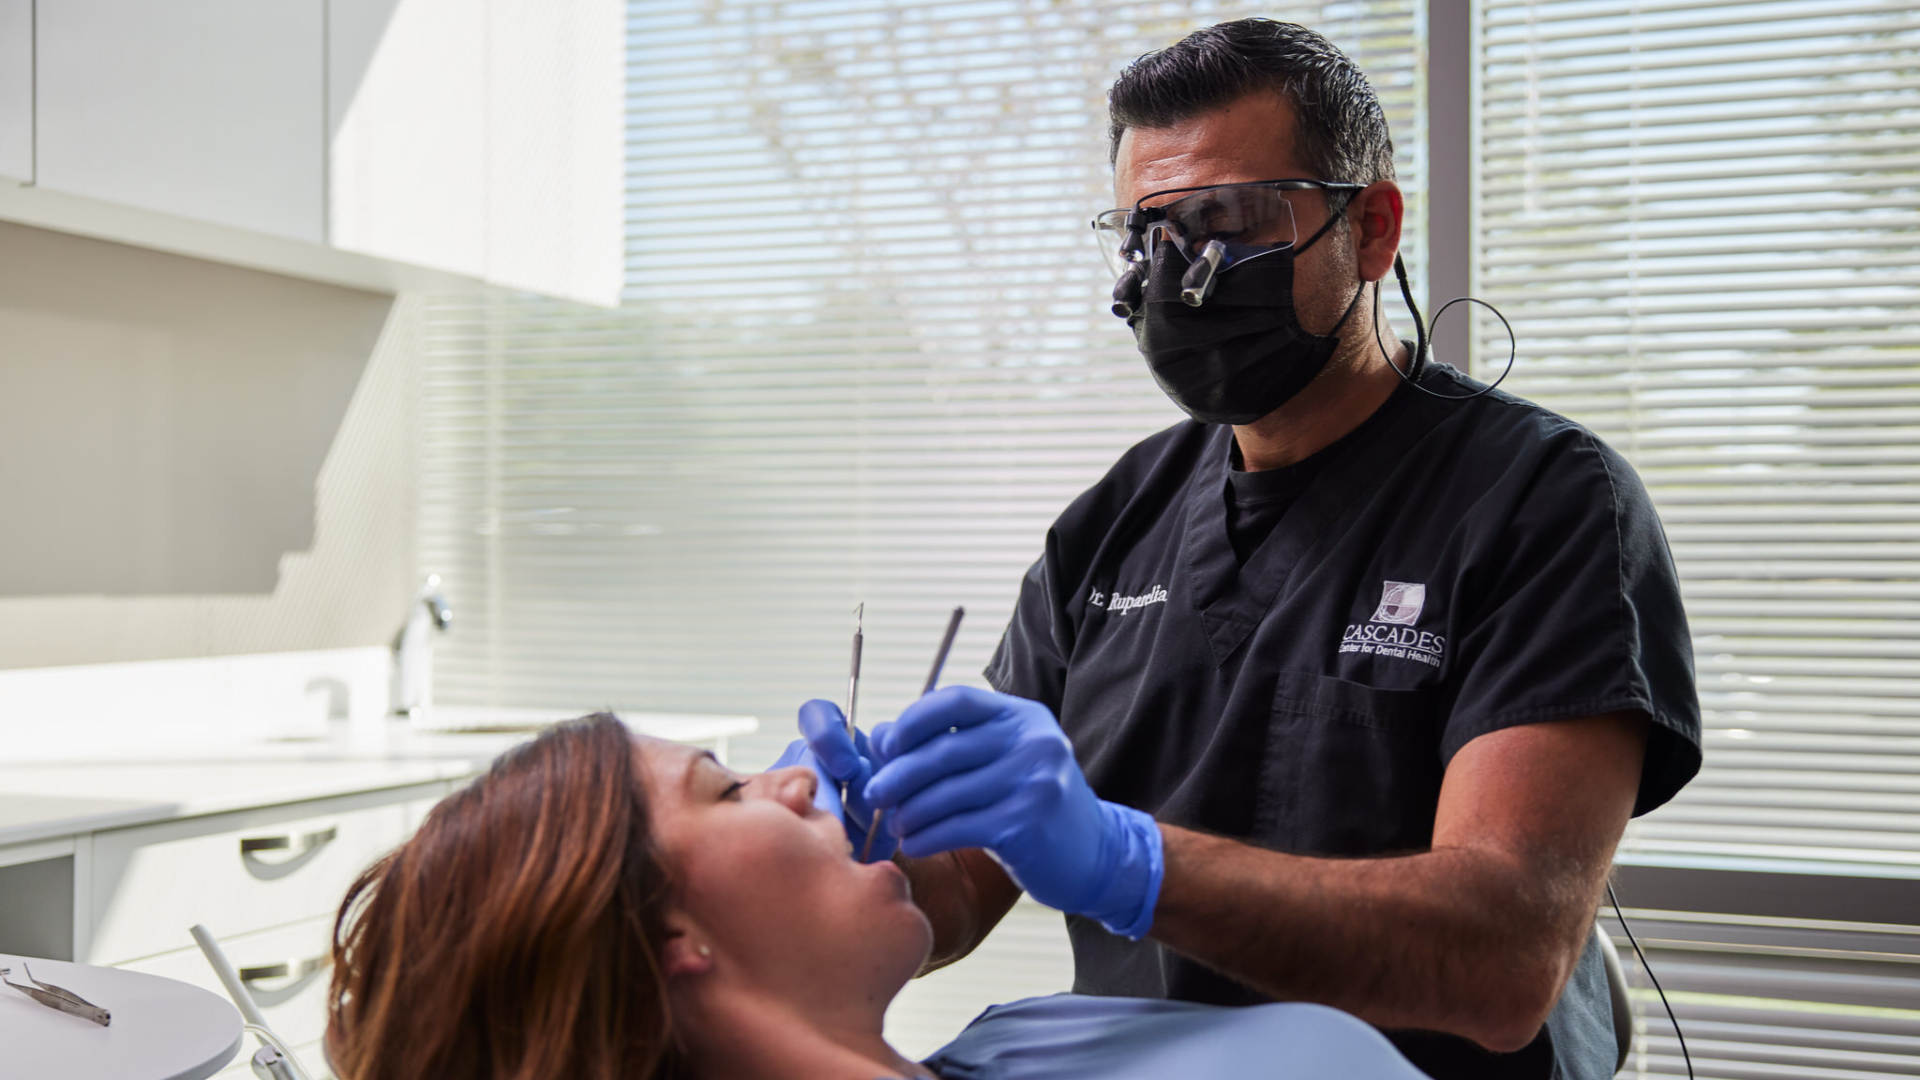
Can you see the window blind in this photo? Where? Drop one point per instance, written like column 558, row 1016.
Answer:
column 1769, row 999
column 1703, row 219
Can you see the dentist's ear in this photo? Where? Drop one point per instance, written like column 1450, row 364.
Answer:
column 1376, row 214
column 685, row 954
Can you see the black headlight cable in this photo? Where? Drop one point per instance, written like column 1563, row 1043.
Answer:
column 1422, row 345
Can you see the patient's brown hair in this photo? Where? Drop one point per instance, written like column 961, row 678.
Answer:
column 518, row 935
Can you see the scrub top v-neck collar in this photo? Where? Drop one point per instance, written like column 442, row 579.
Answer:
column 1231, row 599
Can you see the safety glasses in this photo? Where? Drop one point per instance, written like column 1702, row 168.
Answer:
column 1247, row 219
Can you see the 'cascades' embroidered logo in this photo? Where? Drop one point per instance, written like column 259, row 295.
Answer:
column 1400, row 603
column 1390, row 632
column 1120, row 605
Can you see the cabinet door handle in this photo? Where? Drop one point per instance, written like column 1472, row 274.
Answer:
column 301, row 972
column 316, row 839
column 304, row 848
column 299, row 969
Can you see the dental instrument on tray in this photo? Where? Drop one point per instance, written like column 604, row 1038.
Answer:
column 54, row 997
column 933, row 679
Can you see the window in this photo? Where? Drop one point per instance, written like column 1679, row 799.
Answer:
column 1703, row 219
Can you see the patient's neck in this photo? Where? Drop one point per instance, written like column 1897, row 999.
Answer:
column 747, row 1036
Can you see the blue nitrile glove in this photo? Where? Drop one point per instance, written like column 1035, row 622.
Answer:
column 966, row 768
column 837, row 760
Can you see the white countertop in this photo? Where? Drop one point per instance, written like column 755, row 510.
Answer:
column 93, row 789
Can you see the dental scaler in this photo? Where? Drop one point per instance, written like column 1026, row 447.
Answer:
column 933, row 679
column 853, row 678
column 853, row 674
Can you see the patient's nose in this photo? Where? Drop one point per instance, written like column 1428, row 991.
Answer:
column 793, row 787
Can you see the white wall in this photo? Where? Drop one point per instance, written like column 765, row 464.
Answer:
column 196, row 459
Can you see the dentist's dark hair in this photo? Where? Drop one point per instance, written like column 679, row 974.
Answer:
column 1340, row 130
column 518, row 934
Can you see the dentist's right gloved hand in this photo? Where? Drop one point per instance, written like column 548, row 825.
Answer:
column 964, row 768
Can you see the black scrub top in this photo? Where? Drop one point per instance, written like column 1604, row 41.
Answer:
column 1448, row 569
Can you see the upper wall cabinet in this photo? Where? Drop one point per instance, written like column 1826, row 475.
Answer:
column 406, row 113
column 16, row 91
column 208, row 109
column 483, row 137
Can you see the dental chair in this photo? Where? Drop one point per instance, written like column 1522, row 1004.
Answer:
column 272, row 1061
column 1617, row 992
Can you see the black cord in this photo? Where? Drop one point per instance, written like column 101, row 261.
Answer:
column 1648, row 968
column 1421, row 345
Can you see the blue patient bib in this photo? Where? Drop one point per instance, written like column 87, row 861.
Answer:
column 1071, row 1036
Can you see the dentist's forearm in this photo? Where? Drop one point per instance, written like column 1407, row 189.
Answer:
column 1475, row 936
column 1457, row 941
column 964, row 895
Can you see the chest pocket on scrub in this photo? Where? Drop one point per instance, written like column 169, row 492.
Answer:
column 1350, row 769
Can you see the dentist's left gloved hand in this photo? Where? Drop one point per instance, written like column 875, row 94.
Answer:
column 965, row 768
column 837, row 760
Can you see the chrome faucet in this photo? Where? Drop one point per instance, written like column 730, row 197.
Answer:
column 412, row 684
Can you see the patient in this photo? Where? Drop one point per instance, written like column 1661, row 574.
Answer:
column 602, row 905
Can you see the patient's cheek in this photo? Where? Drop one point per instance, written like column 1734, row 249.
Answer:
column 767, row 854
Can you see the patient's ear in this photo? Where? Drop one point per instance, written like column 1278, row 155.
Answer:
column 686, row 952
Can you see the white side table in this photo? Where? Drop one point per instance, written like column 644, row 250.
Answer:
column 162, row 1029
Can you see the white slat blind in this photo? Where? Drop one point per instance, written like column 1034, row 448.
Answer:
column 1703, row 218
column 1770, row 999
column 864, row 355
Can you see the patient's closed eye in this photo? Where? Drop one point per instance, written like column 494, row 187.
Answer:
column 733, row 790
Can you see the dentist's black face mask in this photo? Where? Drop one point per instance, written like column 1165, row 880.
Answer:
column 1242, row 353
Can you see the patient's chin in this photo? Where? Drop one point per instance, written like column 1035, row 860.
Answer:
column 892, row 929
column 909, row 951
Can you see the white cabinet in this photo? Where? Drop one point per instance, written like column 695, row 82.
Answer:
column 208, row 109
column 556, row 169
column 286, row 968
column 266, row 882
column 16, row 90
column 483, row 137
column 237, row 873
column 406, row 101
column 397, row 141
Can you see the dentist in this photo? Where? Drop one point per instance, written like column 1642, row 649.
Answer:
column 1342, row 691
